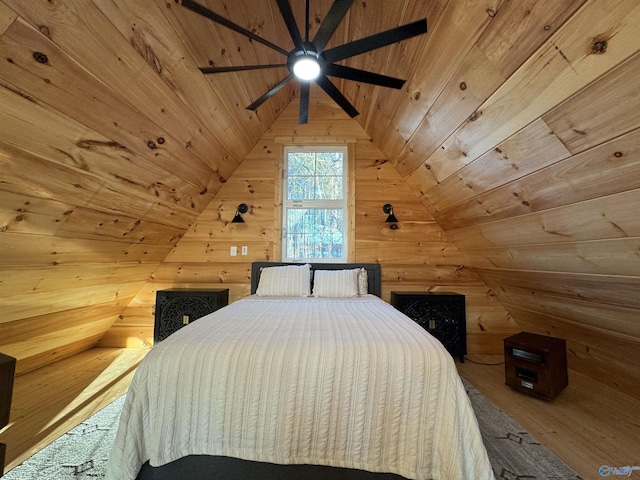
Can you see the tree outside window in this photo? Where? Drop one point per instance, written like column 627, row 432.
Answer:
column 315, row 204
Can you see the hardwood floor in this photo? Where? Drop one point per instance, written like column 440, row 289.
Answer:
column 587, row 425
column 52, row 400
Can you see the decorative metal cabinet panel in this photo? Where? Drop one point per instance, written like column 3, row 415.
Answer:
column 7, row 373
column 177, row 308
column 442, row 314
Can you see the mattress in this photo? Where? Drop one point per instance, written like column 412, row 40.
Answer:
column 345, row 382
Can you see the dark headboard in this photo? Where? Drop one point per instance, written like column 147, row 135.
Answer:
column 373, row 272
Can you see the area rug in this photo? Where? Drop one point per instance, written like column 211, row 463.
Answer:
column 82, row 452
column 513, row 452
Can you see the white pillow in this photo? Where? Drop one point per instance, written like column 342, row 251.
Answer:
column 363, row 281
column 285, row 281
column 335, row 283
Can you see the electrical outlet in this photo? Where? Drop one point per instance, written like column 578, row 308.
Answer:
column 245, row 250
column 233, row 251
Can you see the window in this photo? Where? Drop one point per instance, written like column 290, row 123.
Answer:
column 315, row 192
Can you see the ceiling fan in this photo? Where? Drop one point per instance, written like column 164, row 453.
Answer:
column 309, row 61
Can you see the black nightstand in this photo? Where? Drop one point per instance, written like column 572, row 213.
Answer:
column 176, row 308
column 442, row 314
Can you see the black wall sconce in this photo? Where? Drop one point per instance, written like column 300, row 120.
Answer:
column 388, row 209
column 242, row 208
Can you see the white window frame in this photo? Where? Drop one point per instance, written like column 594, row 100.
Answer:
column 343, row 203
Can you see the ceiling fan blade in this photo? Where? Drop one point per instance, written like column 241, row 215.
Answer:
column 270, row 93
column 340, row 71
column 211, row 15
column 304, row 102
column 378, row 40
column 335, row 15
column 290, row 21
column 337, row 96
column 306, row 21
column 240, row 68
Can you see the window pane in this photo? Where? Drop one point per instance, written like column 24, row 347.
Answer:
column 329, row 163
column 301, row 163
column 314, row 233
column 328, row 188
column 315, row 175
column 301, row 188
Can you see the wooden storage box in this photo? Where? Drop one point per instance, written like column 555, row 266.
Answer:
column 536, row 364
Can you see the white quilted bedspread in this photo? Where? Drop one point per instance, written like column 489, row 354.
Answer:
column 343, row 382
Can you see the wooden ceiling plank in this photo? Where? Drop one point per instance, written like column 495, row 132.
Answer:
column 588, row 119
column 257, row 15
column 607, row 169
column 88, row 224
column 7, row 17
column 577, row 257
column 452, row 34
column 399, row 59
column 30, row 175
column 475, row 80
column 150, row 34
column 560, row 68
column 110, row 57
column 318, row 10
column 62, row 84
column 32, row 179
column 528, row 151
column 25, row 329
column 55, row 341
column 212, row 45
column 20, row 250
column 336, row 125
column 612, row 290
column 29, row 304
column 365, row 19
column 613, row 216
column 520, row 28
column 26, row 214
column 39, row 279
column 605, row 300
column 80, row 159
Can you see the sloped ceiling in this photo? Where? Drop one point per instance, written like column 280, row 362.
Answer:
column 517, row 129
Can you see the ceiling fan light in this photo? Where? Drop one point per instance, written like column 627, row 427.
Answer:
column 306, row 68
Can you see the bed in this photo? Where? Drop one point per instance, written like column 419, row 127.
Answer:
column 284, row 385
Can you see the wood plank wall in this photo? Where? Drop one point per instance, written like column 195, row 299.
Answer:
column 538, row 184
column 417, row 256
column 101, row 173
column 517, row 130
